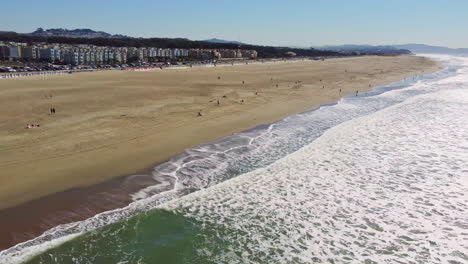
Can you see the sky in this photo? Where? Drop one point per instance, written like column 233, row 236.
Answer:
column 264, row 22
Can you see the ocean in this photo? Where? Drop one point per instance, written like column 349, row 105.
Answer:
column 377, row 178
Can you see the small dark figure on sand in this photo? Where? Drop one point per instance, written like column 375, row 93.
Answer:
column 340, row 90
column 218, row 102
column 357, row 92
column 199, row 113
column 242, row 101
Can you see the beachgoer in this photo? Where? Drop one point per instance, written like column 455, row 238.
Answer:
column 199, row 113
column 357, row 92
column 218, row 102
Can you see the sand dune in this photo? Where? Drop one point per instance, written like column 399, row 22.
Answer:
column 109, row 124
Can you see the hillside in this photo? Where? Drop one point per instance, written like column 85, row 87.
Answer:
column 263, row 51
column 366, row 49
column 74, row 33
column 215, row 40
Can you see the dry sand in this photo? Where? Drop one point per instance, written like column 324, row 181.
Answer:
column 109, row 124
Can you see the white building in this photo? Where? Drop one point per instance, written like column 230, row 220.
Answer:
column 14, row 52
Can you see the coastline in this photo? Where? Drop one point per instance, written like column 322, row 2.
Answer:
column 30, row 219
column 239, row 120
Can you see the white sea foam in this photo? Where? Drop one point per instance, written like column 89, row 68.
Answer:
column 31, row 251
column 384, row 188
column 207, row 165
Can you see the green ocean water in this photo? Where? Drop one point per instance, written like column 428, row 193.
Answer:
column 158, row 236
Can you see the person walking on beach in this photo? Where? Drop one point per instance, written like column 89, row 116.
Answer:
column 357, row 92
column 218, row 102
column 199, row 113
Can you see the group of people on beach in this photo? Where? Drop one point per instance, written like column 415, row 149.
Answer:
column 28, row 126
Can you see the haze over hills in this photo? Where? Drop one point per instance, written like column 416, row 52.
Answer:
column 422, row 48
column 365, row 49
column 413, row 48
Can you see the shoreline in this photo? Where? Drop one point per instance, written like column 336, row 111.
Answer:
column 31, row 219
column 67, row 205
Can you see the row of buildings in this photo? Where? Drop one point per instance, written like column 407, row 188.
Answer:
column 92, row 55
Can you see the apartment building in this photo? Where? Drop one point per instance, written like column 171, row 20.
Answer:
column 51, row 54
column 90, row 54
column 30, row 53
column 14, row 52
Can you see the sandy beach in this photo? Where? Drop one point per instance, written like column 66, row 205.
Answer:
column 109, row 124
column 110, row 127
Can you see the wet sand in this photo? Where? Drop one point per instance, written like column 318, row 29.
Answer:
column 115, row 123
column 29, row 220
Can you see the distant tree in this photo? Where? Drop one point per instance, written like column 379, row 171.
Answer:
column 263, row 51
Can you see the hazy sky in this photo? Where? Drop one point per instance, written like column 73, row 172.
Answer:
column 269, row 22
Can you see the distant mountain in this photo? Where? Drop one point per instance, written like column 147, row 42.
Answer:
column 298, row 47
column 215, row 40
column 421, row 48
column 365, row 49
column 74, row 33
